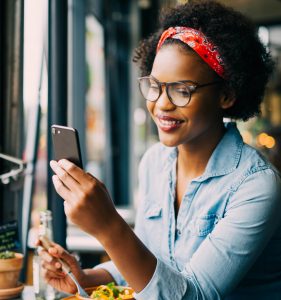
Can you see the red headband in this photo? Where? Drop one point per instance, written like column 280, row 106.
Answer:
column 196, row 40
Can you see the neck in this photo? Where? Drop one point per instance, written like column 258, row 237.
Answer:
column 193, row 157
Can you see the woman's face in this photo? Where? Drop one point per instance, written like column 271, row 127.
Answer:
column 202, row 116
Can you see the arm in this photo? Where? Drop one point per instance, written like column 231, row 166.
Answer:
column 88, row 205
column 139, row 231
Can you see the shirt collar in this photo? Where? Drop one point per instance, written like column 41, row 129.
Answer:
column 223, row 160
column 226, row 155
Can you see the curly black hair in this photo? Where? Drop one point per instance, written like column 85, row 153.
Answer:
column 248, row 64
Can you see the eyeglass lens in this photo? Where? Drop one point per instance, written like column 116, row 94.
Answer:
column 178, row 93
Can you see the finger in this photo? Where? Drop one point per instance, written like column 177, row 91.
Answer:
column 55, row 266
column 60, row 252
column 61, row 189
column 100, row 183
column 64, row 176
column 39, row 243
column 50, row 275
column 45, row 256
column 95, row 178
column 78, row 174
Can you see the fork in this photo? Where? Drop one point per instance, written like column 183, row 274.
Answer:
column 47, row 244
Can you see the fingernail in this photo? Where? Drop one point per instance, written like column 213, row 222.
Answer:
column 61, row 162
column 46, row 256
column 52, row 163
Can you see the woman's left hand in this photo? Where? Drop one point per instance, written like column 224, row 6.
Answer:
column 87, row 202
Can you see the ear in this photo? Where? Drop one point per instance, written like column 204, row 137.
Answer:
column 227, row 99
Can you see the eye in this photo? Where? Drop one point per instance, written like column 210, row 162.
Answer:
column 183, row 92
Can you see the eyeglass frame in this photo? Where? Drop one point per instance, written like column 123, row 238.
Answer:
column 192, row 88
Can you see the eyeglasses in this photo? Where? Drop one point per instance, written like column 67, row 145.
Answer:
column 178, row 92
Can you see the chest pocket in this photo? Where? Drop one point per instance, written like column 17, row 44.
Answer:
column 153, row 212
column 204, row 224
column 154, row 227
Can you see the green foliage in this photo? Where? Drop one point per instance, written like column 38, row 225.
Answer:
column 7, row 255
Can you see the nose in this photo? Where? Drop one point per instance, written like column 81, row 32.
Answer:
column 163, row 102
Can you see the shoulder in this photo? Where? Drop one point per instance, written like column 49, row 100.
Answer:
column 255, row 180
column 254, row 162
column 255, row 168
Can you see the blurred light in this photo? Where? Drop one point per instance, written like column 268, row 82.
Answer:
column 42, row 141
column 261, row 139
column 144, row 4
column 139, row 116
column 264, row 35
column 270, row 143
column 266, row 140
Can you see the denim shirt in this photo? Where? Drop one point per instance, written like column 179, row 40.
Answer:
column 225, row 242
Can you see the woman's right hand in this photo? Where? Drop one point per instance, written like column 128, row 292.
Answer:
column 52, row 270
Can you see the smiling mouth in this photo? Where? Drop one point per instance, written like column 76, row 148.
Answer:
column 168, row 124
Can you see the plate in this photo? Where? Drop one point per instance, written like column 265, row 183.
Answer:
column 11, row 293
column 89, row 291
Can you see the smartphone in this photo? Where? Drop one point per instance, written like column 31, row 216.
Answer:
column 66, row 144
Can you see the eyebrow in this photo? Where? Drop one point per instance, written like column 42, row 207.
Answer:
column 183, row 80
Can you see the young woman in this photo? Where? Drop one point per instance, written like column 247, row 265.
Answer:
column 208, row 218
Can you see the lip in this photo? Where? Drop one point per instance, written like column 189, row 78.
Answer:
column 167, row 123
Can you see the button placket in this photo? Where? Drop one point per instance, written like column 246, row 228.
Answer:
column 178, row 233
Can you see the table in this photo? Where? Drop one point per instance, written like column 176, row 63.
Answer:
column 28, row 294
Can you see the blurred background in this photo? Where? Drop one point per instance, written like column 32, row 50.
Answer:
column 69, row 62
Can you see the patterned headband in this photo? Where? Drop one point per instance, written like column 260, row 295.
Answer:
column 196, row 40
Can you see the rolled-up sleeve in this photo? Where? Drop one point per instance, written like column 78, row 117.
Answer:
column 110, row 267
column 166, row 284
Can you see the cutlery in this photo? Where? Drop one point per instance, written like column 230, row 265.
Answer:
column 46, row 243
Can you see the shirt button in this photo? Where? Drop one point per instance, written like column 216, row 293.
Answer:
column 178, row 232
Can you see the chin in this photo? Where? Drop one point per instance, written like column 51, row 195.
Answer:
column 169, row 142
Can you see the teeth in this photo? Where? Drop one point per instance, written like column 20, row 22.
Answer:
column 168, row 123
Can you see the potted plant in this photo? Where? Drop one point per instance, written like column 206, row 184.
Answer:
column 10, row 267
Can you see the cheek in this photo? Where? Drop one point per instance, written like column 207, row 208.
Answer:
column 150, row 107
column 205, row 109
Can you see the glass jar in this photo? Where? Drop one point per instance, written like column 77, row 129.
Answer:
column 41, row 288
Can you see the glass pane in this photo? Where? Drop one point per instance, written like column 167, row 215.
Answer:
column 35, row 99
column 95, row 98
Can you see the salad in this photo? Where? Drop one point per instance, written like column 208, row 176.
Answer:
column 111, row 292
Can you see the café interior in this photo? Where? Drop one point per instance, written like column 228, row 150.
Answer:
column 70, row 62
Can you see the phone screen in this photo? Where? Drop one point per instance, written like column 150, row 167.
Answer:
column 66, row 144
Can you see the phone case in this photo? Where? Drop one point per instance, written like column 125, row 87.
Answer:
column 66, row 144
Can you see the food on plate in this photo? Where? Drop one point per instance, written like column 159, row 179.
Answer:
column 112, row 292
